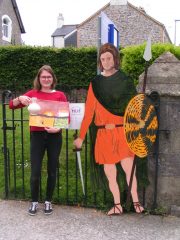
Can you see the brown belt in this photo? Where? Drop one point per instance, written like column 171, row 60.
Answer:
column 104, row 126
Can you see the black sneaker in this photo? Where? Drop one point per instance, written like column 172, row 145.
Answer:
column 47, row 208
column 33, row 208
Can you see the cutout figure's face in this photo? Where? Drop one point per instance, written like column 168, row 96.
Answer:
column 107, row 61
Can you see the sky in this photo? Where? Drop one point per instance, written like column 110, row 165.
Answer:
column 40, row 16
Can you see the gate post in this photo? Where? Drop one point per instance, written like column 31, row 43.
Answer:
column 164, row 78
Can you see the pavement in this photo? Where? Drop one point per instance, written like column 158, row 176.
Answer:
column 77, row 223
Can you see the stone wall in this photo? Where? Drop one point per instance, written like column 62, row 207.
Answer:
column 164, row 77
column 133, row 24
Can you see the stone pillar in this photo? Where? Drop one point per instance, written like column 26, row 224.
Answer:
column 164, row 77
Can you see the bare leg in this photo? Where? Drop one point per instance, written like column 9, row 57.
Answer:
column 127, row 166
column 111, row 173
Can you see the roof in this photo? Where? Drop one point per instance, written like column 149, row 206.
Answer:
column 64, row 30
column 18, row 16
column 141, row 10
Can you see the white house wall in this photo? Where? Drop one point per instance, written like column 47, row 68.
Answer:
column 58, row 42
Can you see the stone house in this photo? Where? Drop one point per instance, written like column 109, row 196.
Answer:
column 133, row 24
column 64, row 35
column 11, row 25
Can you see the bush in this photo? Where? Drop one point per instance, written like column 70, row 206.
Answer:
column 19, row 65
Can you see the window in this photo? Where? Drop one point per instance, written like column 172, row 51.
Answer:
column 6, row 28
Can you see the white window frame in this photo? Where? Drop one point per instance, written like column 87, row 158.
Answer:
column 6, row 28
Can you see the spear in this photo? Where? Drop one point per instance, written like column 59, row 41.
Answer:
column 147, row 57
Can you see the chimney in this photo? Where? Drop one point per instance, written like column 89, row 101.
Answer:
column 60, row 20
column 118, row 2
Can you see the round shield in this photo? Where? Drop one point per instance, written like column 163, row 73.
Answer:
column 140, row 125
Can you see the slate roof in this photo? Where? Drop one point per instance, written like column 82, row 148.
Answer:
column 64, row 30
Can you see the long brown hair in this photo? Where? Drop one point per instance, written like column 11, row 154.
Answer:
column 108, row 47
column 47, row 68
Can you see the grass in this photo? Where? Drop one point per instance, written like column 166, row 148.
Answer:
column 68, row 188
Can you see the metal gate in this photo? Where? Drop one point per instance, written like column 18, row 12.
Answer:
column 15, row 164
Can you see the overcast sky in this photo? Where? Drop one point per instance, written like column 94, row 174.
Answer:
column 40, row 16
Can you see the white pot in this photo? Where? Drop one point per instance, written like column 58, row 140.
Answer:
column 34, row 108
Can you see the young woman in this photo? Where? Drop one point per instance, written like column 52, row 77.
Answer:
column 104, row 103
column 42, row 139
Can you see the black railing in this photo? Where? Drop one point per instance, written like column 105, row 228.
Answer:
column 15, row 164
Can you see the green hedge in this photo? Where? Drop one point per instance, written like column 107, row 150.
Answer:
column 73, row 66
column 19, row 65
column 132, row 57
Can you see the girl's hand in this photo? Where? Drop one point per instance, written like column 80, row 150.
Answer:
column 52, row 129
column 25, row 100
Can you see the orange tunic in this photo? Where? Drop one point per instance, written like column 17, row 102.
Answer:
column 111, row 146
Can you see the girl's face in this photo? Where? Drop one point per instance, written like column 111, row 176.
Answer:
column 46, row 80
column 107, row 61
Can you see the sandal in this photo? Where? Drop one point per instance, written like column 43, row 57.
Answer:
column 115, row 207
column 137, row 207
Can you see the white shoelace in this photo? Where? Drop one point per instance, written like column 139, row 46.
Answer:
column 48, row 205
column 34, row 206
